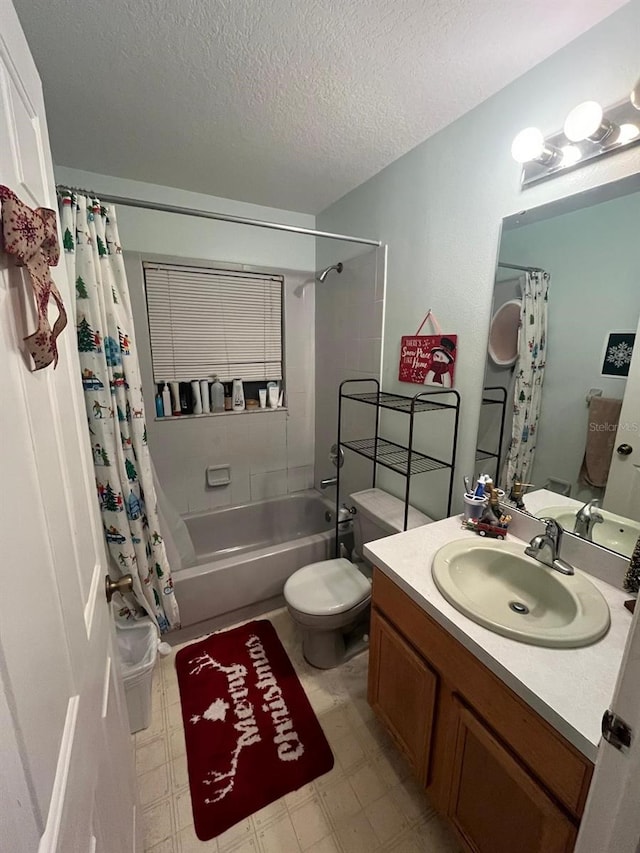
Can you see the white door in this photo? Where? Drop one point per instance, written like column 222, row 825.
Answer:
column 611, row 821
column 67, row 780
column 622, row 495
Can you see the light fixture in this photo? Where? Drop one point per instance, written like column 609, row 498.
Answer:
column 570, row 155
column 628, row 132
column 529, row 145
column 587, row 121
column 589, row 132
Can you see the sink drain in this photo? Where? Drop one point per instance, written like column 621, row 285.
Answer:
column 518, row 607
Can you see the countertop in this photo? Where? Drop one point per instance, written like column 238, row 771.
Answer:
column 569, row 688
column 541, row 498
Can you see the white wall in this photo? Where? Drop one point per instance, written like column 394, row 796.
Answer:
column 348, row 332
column 269, row 453
column 440, row 207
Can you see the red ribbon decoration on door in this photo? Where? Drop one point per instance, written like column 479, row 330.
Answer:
column 30, row 235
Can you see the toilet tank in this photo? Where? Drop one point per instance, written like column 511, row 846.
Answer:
column 379, row 514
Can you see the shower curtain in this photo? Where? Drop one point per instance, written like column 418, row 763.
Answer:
column 527, row 395
column 115, row 409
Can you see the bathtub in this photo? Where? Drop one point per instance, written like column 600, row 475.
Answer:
column 246, row 553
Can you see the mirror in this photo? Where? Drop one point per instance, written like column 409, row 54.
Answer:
column 578, row 375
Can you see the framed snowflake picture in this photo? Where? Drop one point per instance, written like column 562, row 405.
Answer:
column 617, row 354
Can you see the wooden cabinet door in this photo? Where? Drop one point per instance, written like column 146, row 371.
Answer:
column 495, row 805
column 402, row 692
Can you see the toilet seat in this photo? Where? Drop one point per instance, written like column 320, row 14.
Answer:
column 327, row 588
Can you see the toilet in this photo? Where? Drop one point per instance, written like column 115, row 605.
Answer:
column 330, row 600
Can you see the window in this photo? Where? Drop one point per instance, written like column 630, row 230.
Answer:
column 205, row 321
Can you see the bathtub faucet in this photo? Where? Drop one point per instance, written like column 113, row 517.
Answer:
column 328, row 481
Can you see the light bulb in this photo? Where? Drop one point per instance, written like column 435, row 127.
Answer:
column 570, row 155
column 583, row 121
column 628, row 132
column 528, row 145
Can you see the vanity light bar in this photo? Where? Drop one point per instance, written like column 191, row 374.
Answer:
column 589, row 132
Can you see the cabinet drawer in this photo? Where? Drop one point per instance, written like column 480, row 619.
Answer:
column 565, row 771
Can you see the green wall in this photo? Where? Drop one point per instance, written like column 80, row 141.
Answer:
column 440, row 207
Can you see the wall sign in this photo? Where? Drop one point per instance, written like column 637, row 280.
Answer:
column 428, row 359
column 617, row 354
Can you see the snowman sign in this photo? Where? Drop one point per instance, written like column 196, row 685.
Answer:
column 428, row 359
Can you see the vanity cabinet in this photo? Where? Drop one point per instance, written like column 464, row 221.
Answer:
column 402, row 692
column 503, row 777
column 494, row 804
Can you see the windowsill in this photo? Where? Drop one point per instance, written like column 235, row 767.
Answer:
column 251, row 412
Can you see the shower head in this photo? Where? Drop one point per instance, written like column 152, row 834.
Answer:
column 322, row 275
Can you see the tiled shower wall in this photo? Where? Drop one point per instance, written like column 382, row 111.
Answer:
column 348, row 323
column 270, row 453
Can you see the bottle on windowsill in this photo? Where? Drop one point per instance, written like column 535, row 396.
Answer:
column 159, row 406
column 217, row 395
column 238, row 396
column 228, row 400
column 186, row 402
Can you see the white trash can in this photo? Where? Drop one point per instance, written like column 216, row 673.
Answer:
column 138, row 648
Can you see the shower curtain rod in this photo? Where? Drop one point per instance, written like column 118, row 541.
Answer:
column 222, row 217
column 518, row 267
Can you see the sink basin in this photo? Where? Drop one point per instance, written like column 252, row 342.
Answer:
column 615, row 532
column 497, row 585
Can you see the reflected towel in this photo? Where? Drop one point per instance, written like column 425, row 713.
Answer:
column 604, row 413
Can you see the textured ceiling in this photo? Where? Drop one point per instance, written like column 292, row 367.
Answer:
column 283, row 103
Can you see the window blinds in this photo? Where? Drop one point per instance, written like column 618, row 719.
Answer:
column 204, row 321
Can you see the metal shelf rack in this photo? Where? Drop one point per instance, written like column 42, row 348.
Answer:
column 403, row 459
column 500, row 399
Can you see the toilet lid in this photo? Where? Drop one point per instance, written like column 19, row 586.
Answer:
column 331, row 586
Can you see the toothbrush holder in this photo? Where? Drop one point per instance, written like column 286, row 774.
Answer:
column 474, row 507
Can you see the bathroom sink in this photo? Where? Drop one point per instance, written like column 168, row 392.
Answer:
column 497, row 585
column 615, row 532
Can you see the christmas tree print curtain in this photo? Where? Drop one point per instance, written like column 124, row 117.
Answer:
column 527, row 395
column 115, row 409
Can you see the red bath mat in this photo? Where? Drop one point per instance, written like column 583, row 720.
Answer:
column 251, row 733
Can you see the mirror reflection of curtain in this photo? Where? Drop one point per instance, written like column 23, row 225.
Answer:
column 529, row 377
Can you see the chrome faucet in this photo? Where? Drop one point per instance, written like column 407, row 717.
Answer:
column 545, row 548
column 328, row 481
column 586, row 519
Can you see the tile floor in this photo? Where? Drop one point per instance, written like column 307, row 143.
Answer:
column 368, row 802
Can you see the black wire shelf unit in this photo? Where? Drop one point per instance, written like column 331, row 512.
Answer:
column 403, row 459
column 494, row 395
